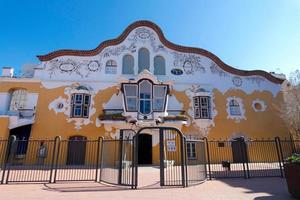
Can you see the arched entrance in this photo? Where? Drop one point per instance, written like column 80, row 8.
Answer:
column 76, row 150
column 144, row 149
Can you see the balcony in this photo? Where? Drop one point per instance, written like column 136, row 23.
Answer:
column 112, row 115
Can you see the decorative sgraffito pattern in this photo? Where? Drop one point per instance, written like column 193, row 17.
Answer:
column 237, row 81
column 215, row 69
column 189, row 62
column 259, row 105
column 71, row 66
column 238, row 113
column 256, row 80
column 63, row 105
column 146, row 35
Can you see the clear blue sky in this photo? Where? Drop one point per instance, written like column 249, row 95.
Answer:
column 247, row 34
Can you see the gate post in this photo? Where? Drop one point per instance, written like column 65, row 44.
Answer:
column 186, row 163
column 120, row 157
column 57, row 156
column 183, row 163
column 99, row 149
column 208, row 157
column 161, row 157
column 279, row 154
column 56, row 139
column 246, row 159
column 9, row 152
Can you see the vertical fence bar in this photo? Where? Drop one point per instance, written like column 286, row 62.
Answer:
column 120, row 157
column 208, row 157
column 279, row 153
column 6, row 158
column 53, row 158
column 98, row 159
column 136, row 154
column 57, row 156
column 186, row 161
column 12, row 148
column 101, row 159
column 161, row 156
column 183, row 161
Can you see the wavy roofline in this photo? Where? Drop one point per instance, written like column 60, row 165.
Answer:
column 167, row 43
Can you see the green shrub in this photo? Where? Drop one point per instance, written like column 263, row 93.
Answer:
column 293, row 159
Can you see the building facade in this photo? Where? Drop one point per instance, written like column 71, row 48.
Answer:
column 140, row 79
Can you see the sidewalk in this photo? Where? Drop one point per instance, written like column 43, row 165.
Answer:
column 254, row 188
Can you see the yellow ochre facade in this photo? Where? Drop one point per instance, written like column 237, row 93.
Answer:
column 137, row 80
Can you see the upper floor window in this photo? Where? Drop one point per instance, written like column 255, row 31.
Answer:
column 159, row 65
column 111, row 67
column 143, row 59
column 145, row 88
column 234, row 107
column 80, row 104
column 18, row 99
column 130, row 93
column 145, row 97
column 128, row 64
column 191, row 150
column 202, row 108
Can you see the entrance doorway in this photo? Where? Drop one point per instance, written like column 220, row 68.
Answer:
column 145, row 149
column 22, row 134
column 239, row 150
column 76, row 150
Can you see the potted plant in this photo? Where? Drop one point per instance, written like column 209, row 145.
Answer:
column 292, row 174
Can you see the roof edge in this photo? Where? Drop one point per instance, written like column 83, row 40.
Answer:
column 156, row 28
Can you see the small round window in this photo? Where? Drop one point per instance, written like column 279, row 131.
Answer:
column 259, row 105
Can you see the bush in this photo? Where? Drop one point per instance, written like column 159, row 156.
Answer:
column 293, row 159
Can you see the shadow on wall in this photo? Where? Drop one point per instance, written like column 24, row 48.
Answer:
column 271, row 188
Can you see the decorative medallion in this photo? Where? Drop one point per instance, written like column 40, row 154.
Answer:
column 93, row 66
column 67, row 67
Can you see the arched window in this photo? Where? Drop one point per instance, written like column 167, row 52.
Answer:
column 145, row 97
column 128, row 64
column 144, row 59
column 159, row 65
column 234, row 107
column 18, row 99
column 111, row 67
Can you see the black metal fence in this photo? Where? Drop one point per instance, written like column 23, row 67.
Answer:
column 254, row 158
column 111, row 160
column 195, row 153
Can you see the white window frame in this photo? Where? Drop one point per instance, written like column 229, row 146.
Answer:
column 202, row 107
column 163, row 98
column 146, row 99
column 111, row 67
column 82, row 105
column 234, row 108
column 131, row 97
column 138, row 99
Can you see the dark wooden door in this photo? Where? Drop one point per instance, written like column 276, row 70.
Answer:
column 76, row 150
column 239, row 150
column 145, row 149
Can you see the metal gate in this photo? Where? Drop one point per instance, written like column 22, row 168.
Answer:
column 117, row 160
column 171, row 156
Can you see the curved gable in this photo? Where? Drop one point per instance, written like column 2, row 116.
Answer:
column 166, row 43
